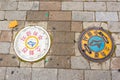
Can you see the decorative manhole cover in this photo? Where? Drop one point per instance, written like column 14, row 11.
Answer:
column 32, row 43
column 96, row 44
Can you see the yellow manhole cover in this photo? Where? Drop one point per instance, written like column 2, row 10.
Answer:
column 96, row 44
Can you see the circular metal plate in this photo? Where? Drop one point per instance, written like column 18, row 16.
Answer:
column 96, row 44
column 32, row 43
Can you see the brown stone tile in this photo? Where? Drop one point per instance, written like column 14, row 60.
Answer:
column 50, row 5
column 115, row 63
column 57, row 62
column 60, row 15
column 8, row 61
column 62, row 49
column 6, row 36
column 58, row 26
column 37, row 15
column 76, row 26
column 65, row 37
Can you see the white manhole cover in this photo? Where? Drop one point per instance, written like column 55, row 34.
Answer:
column 32, row 43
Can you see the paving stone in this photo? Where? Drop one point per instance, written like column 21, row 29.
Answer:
column 57, row 62
column 94, row 65
column 117, row 51
column 44, row 74
column 72, row 5
column 59, row 15
column 4, row 47
column 28, row 5
column 39, row 64
column 12, row 51
column 95, row 6
column 64, row 74
column 54, row 5
column 60, row 49
column 95, row 24
column 79, row 63
column 106, row 0
column 37, row 15
column 2, row 15
column 83, row 0
column 106, row 16
column 77, row 52
column 15, row 15
column 106, row 65
column 82, row 16
column 113, row 6
column 116, row 37
column 59, row 26
column 67, row 38
column 36, row 23
column 115, row 63
column 8, row 61
column 2, row 73
column 8, row 5
column 114, row 26
column 97, row 75
column 76, row 26
column 6, row 36
column 18, row 73
column 4, row 25
column 115, row 75
column 25, row 64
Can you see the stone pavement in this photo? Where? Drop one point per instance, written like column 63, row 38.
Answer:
column 64, row 20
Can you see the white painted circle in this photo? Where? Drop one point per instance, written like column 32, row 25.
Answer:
column 32, row 43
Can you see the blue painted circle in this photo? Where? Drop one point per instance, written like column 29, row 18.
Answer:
column 96, row 43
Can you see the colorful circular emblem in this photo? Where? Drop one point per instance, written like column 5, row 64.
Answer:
column 32, row 43
column 96, row 44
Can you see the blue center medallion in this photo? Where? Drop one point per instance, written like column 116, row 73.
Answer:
column 96, row 43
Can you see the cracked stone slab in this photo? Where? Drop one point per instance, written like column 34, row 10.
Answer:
column 18, row 73
column 9, row 61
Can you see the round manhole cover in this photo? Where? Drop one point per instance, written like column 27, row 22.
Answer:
column 32, row 43
column 96, row 44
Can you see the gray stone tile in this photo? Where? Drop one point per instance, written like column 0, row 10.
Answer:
column 2, row 15
column 117, row 51
column 4, row 25
column 28, row 5
column 82, row 16
column 18, row 73
column 97, row 75
column 106, row 16
column 79, row 62
column 4, row 47
column 95, row 6
column 2, row 73
column 72, row 5
column 115, row 75
column 57, row 62
column 113, row 6
column 114, row 26
column 66, row 74
column 15, row 15
column 9, row 61
column 8, row 5
column 44, row 74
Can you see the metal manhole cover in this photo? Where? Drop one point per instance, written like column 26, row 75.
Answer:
column 96, row 44
column 32, row 43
